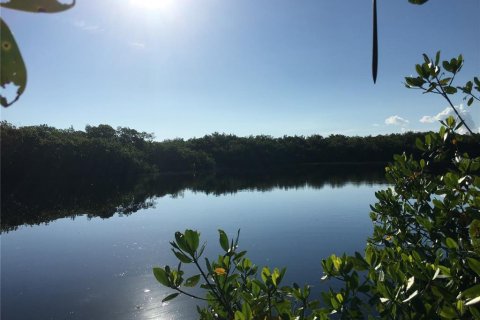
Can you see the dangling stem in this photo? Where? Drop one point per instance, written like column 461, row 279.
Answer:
column 375, row 43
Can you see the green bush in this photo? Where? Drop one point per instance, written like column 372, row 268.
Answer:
column 422, row 261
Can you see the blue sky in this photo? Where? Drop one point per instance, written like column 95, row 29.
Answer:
column 186, row 68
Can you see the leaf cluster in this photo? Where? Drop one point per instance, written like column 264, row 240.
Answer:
column 421, row 261
column 437, row 77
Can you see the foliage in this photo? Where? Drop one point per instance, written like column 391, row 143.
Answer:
column 42, row 152
column 12, row 67
column 422, row 261
column 433, row 78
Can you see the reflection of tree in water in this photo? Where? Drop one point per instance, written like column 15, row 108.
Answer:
column 30, row 203
column 315, row 177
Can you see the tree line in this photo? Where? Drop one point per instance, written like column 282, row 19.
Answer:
column 43, row 152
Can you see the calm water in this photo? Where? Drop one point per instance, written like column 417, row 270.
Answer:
column 73, row 256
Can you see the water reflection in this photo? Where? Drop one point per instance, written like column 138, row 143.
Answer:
column 35, row 202
column 100, row 268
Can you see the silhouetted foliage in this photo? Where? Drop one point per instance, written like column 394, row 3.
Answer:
column 39, row 153
column 49, row 173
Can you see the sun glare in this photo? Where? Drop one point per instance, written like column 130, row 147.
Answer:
column 163, row 5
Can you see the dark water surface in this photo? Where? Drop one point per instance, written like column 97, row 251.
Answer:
column 85, row 250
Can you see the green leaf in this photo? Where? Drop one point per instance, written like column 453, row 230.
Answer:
column 422, row 163
column 335, row 304
column 265, row 274
column 247, row 311
column 337, row 262
column 474, row 231
column 414, row 82
column 448, row 313
column 448, row 66
column 180, row 239
column 469, row 86
column 239, row 255
column 420, row 71
column 445, row 81
column 431, row 88
column 207, row 286
column 182, row 257
column 451, row 244
column 161, row 276
column 477, row 81
column 445, row 271
column 260, row 284
column 425, row 58
column 474, row 265
column 470, row 101
column 275, row 276
column 170, row 297
column 209, row 266
column 450, row 90
column 438, row 204
column 419, row 144
column 428, row 139
column 437, row 58
column 424, row 222
column 442, row 131
column 237, row 238
column 453, row 65
column 450, row 179
column 359, row 262
column 192, row 281
column 450, row 121
column 200, row 252
column 193, row 239
column 369, row 255
column 339, row 297
column 427, row 69
column 43, row 6
column 460, row 60
column 13, row 70
column 472, row 292
column 223, row 240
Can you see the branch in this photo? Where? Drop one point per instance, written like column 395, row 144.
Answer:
column 190, row 295
column 445, row 95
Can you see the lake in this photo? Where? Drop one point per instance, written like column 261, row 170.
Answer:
column 85, row 250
